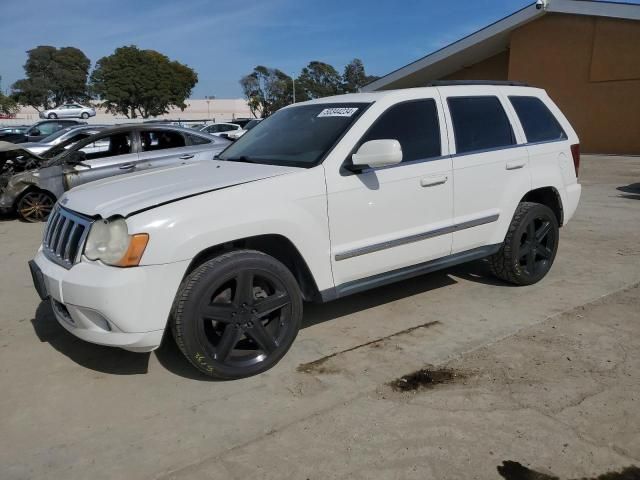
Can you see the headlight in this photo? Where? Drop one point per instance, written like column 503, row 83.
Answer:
column 109, row 241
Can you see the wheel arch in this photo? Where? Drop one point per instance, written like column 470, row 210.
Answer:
column 548, row 196
column 275, row 245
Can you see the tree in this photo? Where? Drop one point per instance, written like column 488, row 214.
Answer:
column 144, row 83
column 8, row 106
column 267, row 90
column 53, row 76
column 318, row 79
column 354, row 76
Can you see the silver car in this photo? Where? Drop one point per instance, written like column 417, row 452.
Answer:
column 113, row 151
column 69, row 110
column 75, row 133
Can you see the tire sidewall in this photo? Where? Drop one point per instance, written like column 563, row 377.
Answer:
column 534, row 212
column 196, row 285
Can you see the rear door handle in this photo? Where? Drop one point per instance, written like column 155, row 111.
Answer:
column 127, row 166
column 516, row 164
column 433, row 181
column 186, row 156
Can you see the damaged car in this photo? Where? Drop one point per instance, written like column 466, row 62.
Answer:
column 31, row 184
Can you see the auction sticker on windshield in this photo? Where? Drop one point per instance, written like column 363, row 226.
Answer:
column 337, row 112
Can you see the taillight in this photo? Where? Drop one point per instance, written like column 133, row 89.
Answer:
column 575, row 152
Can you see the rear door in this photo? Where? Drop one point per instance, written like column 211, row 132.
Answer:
column 490, row 164
column 107, row 156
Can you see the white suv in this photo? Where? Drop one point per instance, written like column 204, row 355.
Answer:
column 321, row 200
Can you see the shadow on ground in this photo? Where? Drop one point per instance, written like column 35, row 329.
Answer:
column 631, row 191
column 120, row 362
column 95, row 357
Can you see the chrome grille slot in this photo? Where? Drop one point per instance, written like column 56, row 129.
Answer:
column 64, row 236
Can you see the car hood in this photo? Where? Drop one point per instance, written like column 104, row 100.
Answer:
column 127, row 194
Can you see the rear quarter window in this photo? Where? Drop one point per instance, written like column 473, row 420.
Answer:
column 539, row 124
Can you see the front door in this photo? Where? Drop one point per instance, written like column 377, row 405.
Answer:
column 384, row 219
column 107, row 156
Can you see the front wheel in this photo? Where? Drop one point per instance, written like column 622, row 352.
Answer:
column 84, row 115
column 237, row 314
column 530, row 246
column 35, row 206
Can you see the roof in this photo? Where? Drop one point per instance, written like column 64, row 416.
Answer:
column 494, row 38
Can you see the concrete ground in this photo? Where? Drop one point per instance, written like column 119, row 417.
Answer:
column 545, row 378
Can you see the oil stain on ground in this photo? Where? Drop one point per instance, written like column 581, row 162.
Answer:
column 510, row 470
column 424, row 378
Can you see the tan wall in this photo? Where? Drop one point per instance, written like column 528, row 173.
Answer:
column 493, row 68
column 591, row 68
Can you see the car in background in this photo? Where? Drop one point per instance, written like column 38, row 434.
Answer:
column 69, row 110
column 113, row 151
column 218, row 129
column 74, row 133
column 12, row 130
column 38, row 131
column 236, row 134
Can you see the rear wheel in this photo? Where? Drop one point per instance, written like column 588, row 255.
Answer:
column 237, row 314
column 35, row 206
column 530, row 246
column 52, row 116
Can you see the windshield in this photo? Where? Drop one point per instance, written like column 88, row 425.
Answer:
column 296, row 136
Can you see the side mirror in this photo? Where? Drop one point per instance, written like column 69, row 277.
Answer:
column 378, row 153
column 34, row 132
column 76, row 158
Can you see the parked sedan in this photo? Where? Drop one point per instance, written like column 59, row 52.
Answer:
column 69, row 110
column 113, row 151
column 38, row 131
column 236, row 134
column 74, row 132
column 218, row 129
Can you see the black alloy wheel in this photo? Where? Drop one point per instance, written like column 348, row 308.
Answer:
column 35, row 206
column 237, row 315
column 530, row 245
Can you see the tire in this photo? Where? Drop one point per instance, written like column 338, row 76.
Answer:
column 35, row 206
column 84, row 115
column 229, row 332
column 52, row 116
column 520, row 261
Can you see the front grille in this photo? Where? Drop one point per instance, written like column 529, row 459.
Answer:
column 64, row 236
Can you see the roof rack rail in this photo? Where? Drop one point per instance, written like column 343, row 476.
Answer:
column 446, row 83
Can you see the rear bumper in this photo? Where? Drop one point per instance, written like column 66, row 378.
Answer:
column 570, row 203
column 126, row 308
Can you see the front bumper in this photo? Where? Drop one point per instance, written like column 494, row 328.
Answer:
column 119, row 307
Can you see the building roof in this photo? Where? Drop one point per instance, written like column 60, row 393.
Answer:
column 494, row 38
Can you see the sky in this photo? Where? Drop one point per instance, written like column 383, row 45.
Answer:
column 224, row 40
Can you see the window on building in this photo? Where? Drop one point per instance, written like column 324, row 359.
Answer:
column 538, row 122
column 479, row 123
column 414, row 124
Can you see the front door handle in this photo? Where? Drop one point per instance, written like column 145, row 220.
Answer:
column 516, row 164
column 433, row 181
column 186, row 156
column 127, row 166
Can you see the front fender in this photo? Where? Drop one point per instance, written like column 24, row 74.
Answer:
column 293, row 206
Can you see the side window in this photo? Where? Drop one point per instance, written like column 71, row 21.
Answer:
column 49, row 128
column 110, row 146
column 479, row 123
column 414, row 124
column 538, row 122
column 196, row 140
column 161, row 140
